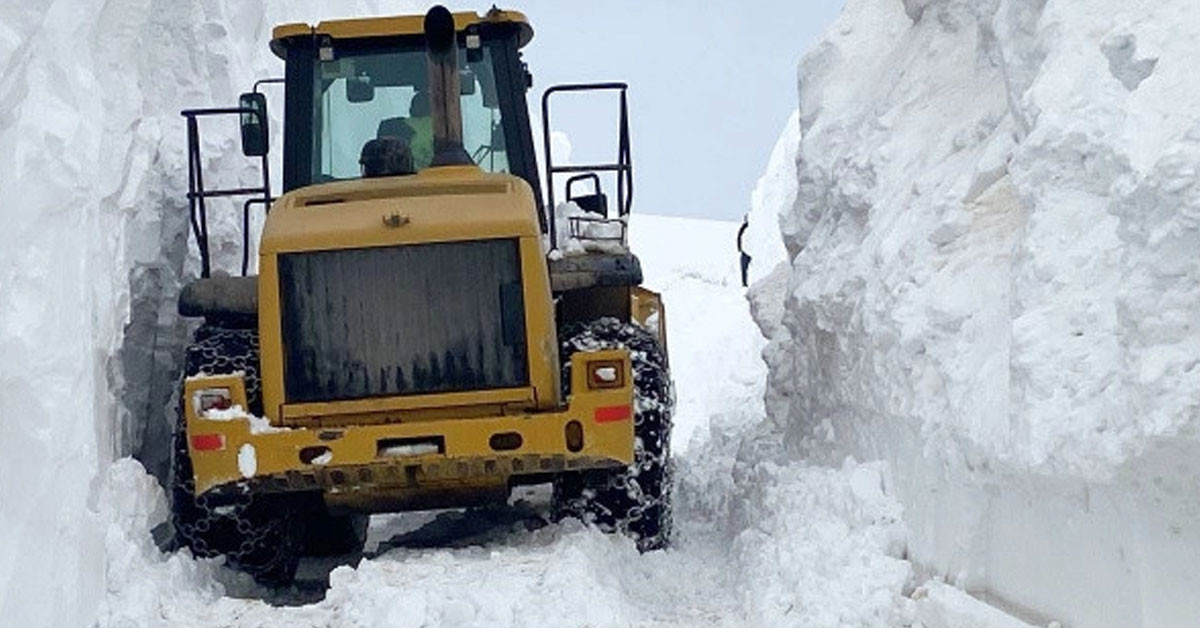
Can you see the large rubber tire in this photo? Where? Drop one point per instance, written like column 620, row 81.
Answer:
column 262, row 535
column 635, row 500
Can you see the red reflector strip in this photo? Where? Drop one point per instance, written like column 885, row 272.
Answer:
column 610, row 414
column 208, row 442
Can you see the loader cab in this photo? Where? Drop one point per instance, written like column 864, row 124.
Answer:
column 349, row 82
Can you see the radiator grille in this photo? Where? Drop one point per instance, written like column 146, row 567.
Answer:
column 404, row 320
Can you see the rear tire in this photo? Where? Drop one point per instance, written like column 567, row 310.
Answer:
column 635, row 500
column 262, row 535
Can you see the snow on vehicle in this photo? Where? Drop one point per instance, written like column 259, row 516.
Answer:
column 417, row 335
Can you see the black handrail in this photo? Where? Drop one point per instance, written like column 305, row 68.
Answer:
column 623, row 166
column 197, row 194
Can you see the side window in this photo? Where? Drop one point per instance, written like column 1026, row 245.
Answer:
column 483, row 131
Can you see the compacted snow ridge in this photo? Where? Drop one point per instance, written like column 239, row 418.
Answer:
column 992, row 286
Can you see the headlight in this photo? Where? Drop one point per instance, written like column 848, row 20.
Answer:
column 212, row 399
column 604, row 374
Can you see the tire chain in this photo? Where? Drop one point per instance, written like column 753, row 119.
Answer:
column 255, row 533
column 635, row 500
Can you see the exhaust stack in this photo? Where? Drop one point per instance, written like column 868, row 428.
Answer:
column 441, row 41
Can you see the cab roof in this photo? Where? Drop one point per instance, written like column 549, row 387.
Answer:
column 395, row 25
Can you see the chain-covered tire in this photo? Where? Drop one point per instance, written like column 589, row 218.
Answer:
column 262, row 535
column 635, row 500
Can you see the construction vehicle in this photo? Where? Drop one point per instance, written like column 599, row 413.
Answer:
column 415, row 337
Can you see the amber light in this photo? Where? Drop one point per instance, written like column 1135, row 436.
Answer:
column 606, row 374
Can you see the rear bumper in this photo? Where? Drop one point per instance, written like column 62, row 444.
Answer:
column 408, row 465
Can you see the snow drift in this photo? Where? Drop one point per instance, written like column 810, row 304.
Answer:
column 993, row 286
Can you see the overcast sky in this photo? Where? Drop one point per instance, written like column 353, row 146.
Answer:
column 711, row 86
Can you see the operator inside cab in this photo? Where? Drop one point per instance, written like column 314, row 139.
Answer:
column 400, row 142
column 385, row 157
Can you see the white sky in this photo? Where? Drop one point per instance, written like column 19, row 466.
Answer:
column 711, row 86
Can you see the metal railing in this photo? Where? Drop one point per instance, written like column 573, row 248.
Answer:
column 623, row 167
column 197, row 195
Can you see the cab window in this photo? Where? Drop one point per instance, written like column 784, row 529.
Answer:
column 366, row 95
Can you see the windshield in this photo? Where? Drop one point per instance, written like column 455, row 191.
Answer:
column 378, row 93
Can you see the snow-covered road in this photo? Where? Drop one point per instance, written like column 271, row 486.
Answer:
column 759, row 541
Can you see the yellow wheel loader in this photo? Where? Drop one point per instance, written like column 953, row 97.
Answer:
column 417, row 335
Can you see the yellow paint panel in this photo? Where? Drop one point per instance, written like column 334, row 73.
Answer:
column 468, row 204
column 396, row 25
column 276, row 453
column 647, row 308
column 438, row 205
column 448, row 401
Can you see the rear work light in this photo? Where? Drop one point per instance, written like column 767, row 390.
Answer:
column 212, row 399
column 604, row 374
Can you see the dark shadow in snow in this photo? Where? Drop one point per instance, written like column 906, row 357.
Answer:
column 528, row 510
column 466, row 528
column 1121, row 51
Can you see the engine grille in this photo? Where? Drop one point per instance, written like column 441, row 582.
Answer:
column 403, row 320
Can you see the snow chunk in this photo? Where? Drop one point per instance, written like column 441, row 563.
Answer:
column 258, row 425
column 247, row 460
column 581, row 232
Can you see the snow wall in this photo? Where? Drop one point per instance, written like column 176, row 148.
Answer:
column 95, row 252
column 994, row 287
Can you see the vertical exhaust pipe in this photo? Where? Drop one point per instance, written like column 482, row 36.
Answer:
column 441, row 41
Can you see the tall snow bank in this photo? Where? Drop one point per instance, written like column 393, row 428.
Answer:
column 994, row 287
column 95, row 250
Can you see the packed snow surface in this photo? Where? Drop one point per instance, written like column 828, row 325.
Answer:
column 993, row 286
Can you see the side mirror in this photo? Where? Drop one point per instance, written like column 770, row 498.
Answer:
column 359, row 89
column 255, row 141
column 596, row 202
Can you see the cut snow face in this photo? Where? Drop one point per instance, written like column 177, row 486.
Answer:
column 994, row 287
column 95, row 252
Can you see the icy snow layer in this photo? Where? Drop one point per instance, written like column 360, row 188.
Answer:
column 94, row 181
column 762, row 541
column 994, row 286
